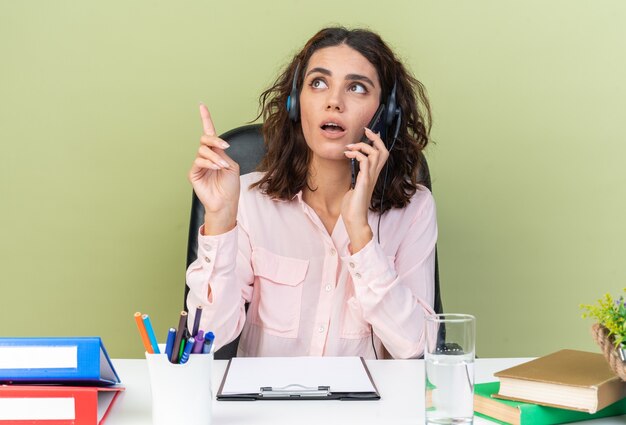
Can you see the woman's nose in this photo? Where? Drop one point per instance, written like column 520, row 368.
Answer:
column 334, row 102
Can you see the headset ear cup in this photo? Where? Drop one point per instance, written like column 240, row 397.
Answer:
column 293, row 106
column 292, row 100
column 394, row 113
column 391, row 106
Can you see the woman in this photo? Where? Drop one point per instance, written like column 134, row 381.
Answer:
column 327, row 269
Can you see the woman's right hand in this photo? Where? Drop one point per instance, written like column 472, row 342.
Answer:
column 215, row 179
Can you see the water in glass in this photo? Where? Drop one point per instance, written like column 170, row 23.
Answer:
column 449, row 389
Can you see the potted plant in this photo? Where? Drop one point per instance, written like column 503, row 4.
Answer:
column 610, row 330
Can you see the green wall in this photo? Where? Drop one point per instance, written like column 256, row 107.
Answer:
column 99, row 125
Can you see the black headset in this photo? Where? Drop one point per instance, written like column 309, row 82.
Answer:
column 393, row 111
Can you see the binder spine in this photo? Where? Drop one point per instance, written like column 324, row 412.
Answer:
column 86, row 359
column 75, row 406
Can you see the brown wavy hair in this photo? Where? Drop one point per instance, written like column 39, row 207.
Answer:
column 286, row 163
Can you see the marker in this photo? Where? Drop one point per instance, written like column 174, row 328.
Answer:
column 171, row 335
column 197, row 347
column 180, row 332
column 150, row 332
column 196, row 321
column 208, row 342
column 187, row 352
column 143, row 333
column 183, row 344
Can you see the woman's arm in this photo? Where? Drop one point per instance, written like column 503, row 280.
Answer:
column 215, row 179
column 395, row 298
column 216, row 279
column 219, row 280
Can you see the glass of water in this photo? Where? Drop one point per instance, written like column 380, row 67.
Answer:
column 449, row 359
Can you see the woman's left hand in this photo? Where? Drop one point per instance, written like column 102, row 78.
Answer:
column 356, row 202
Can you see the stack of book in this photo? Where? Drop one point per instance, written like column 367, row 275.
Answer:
column 566, row 386
column 65, row 380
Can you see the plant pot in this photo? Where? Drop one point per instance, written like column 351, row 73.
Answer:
column 615, row 356
column 621, row 350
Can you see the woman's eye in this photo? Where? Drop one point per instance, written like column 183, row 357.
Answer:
column 318, row 84
column 358, row 88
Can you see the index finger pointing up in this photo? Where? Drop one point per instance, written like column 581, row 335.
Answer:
column 207, row 123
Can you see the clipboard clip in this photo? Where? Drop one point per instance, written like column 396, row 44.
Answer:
column 295, row 390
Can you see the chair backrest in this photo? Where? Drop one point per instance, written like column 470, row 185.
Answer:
column 247, row 149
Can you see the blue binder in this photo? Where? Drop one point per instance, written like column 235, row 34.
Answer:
column 76, row 360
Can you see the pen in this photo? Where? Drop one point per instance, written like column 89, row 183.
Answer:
column 150, row 332
column 196, row 321
column 171, row 334
column 143, row 333
column 187, row 352
column 197, row 346
column 180, row 332
column 208, row 342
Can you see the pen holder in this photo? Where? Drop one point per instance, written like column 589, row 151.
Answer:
column 181, row 393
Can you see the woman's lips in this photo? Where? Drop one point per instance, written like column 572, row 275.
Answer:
column 332, row 130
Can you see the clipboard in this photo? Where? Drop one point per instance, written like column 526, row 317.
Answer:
column 297, row 378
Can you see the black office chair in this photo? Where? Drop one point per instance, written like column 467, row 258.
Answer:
column 247, row 149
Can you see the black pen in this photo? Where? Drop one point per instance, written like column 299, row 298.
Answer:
column 196, row 321
column 179, row 336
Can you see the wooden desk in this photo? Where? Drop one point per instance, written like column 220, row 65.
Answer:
column 400, row 383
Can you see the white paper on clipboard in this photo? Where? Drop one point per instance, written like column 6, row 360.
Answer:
column 247, row 375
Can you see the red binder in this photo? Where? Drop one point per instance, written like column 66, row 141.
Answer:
column 55, row 405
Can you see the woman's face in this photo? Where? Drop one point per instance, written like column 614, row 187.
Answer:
column 339, row 96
